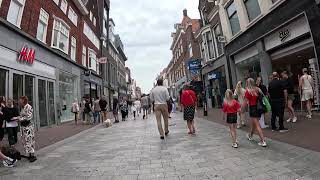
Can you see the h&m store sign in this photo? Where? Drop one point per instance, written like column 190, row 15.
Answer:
column 27, row 55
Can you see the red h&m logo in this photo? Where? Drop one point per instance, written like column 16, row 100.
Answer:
column 27, row 55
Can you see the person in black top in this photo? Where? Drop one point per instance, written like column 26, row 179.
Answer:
column 103, row 106
column 88, row 111
column 278, row 96
column 265, row 92
column 10, row 115
column 290, row 89
column 115, row 109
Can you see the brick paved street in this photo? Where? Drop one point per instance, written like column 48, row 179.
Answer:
column 133, row 150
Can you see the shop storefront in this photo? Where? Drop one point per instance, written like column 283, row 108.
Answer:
column 289, row 47
column 47, row 78
column 68, row 92
column 35, row 80
column 216, row 79
column 92, row 86
column 216, row 87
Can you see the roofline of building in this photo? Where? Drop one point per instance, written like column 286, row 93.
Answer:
column 81, row 7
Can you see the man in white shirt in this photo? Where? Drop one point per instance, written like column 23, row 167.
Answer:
column 160, row 96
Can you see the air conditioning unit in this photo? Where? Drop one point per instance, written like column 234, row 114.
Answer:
column 222, row 39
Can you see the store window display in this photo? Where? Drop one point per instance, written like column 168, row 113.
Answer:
column 67, row 92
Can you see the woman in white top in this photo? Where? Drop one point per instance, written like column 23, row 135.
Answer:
column 135, row 108
column 239, row 93
column 27, row 128
column 306, row 90
column 75, row 110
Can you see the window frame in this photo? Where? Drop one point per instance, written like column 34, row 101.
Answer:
column 84, row 56
column 190, row 50
column 45, row 22
column 247, row 10
column 73, row 54
column 64, row 9
column 93, row 57
column 72, row 15
column 21, row 3
column 59, row 34
column 56, row 2
column 230, row 16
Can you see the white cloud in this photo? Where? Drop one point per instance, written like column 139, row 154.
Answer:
column 145, row 28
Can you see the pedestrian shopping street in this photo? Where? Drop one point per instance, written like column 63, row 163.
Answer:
column 133, row 150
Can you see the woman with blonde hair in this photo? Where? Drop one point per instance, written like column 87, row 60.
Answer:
column 230, row 108
column 239, row 93
column 251, row 95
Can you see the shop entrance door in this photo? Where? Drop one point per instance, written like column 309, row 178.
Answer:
column 42, row 98
column 3, row 82
column 17, row 87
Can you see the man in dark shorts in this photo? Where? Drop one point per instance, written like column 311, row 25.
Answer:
column 278, row 96
column 103, row 106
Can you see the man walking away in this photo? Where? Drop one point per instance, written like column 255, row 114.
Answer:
column 96, row 109
column 103, row 106
column 115, row 109
column 306, row 90
column 278, row 96
column 160, row 96
column 145, row 106
column 290, row 89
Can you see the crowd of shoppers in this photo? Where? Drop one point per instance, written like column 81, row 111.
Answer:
column 10, row 120
column 279, row 95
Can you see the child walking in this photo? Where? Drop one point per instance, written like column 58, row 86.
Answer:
column 230, row 108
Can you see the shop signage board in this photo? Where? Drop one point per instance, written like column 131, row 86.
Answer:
column 27, row 55
column 194, row 67
column 194, row 64
column 294, row 29
column 284, row 34
column 103, row 60
column 214, row 75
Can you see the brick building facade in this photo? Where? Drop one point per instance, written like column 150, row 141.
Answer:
column 184, row 48
column 65, row 36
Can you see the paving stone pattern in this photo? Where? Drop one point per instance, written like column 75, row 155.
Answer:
column 132, row 150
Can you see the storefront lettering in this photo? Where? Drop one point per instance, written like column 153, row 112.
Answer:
column 284, row 34
column 27, row 55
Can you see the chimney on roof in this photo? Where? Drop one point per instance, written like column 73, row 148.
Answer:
column 185, row 12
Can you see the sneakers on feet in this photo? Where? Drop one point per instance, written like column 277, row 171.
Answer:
column 162, row 137
column 262, row 143
column 275, row 129
column 309, row 116
column 289, row 120
column 9, row 164
column 243, row 124
column 238, row 126
column 294, row 120
column 283, row 130
column 249, row 137
column 235, row 145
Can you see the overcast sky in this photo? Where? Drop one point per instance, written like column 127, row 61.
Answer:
column 145, row 28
